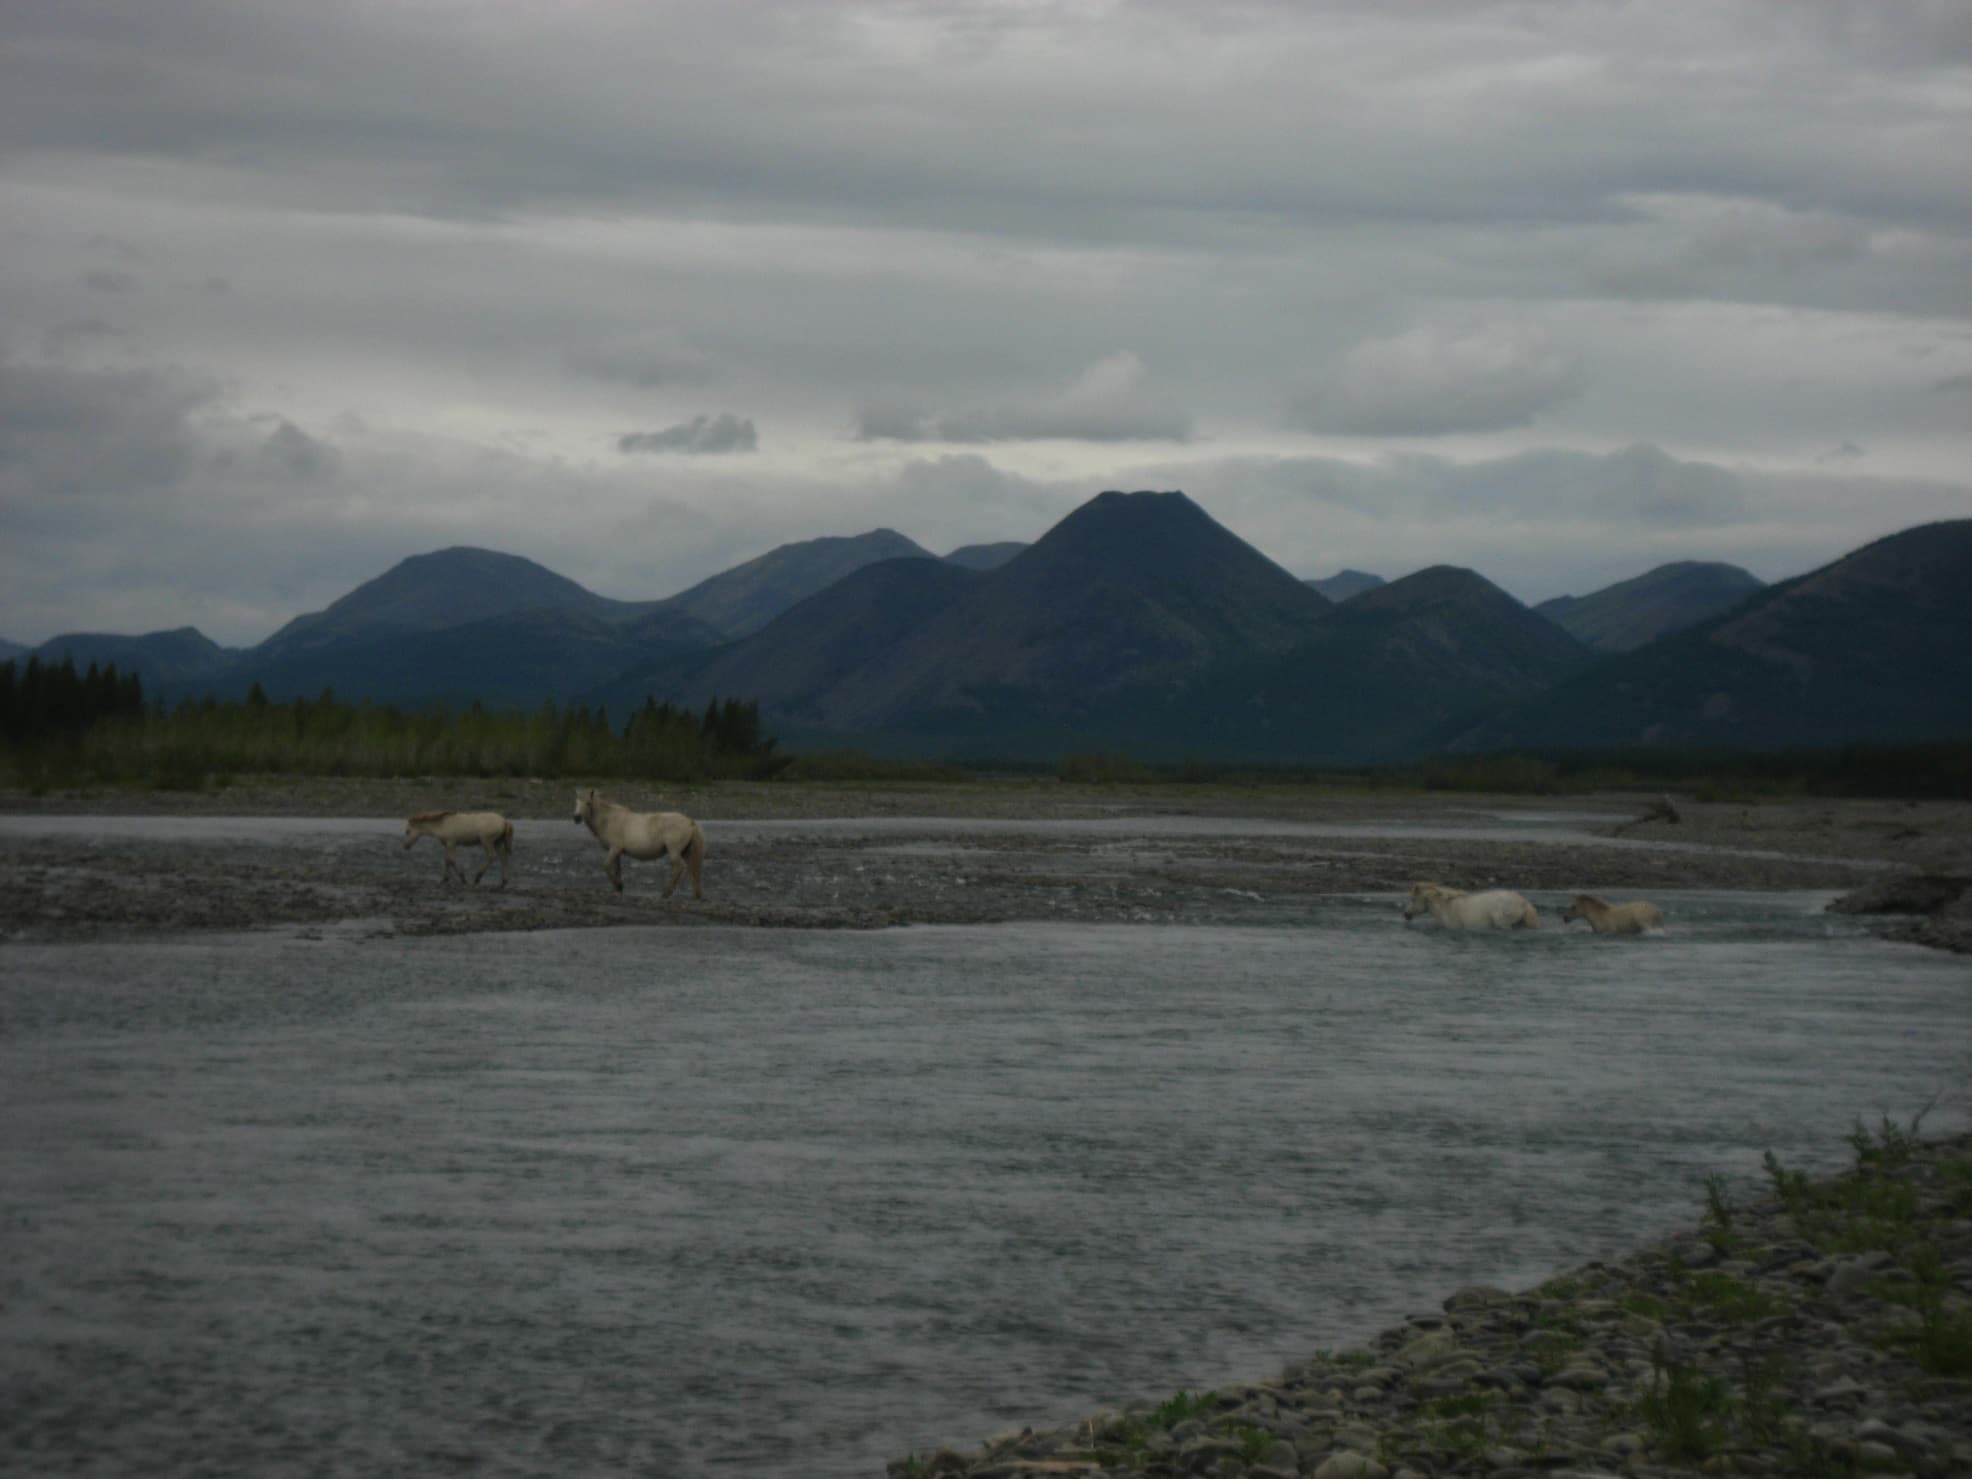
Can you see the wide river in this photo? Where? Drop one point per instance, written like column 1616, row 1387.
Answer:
column 719, row 1202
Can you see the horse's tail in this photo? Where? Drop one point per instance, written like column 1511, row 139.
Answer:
column 506, row 837
column 695, row 845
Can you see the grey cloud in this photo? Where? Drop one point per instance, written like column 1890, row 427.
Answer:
column 101, row 280
column 1953, row 382
column 1683, row 247
column 116, row 247
column 1111, row 401
column 1545, row 113
column 1425, row 383
column 647, row 360
column 702, row 435
column 1844, row 452
column 59, row 340
column 73, row 438
column 290, row 452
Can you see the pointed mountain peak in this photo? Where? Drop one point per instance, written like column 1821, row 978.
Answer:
column 1158, row 540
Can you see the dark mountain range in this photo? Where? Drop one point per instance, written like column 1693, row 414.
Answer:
column 744, row 599
column 1384, row 671
column 1624, row 616
column 515, row 660
column 1872, row 647
column 429, row 593
column 10, row 650
column 1106, row 615
column 792, row 663
column 985, row 556
column 1139, row 623
column 159, row 659
column 1345, row 584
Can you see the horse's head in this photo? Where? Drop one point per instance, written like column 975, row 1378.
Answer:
column 1575, row 910
column 585, row 807
column 410, row 833
column 1420, row 900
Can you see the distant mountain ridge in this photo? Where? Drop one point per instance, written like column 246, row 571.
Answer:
column 1140, row 623
column 1346, row 584
column 181, row 655
column 1870, row 647
column 1625, row 616
column 740, row 601
column 447, row 588
column 1387, row 669
column 1129, row 591
column 985, row 556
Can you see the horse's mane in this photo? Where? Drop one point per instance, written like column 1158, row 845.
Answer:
column 431, row 816
column 1591, row 899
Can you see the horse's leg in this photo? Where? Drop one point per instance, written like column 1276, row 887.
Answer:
column 452, row 864
column 506, row 856
column 614, row 868
column 695, row 860
column 677, row 869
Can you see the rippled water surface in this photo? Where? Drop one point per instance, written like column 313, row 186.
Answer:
column 701, row 1201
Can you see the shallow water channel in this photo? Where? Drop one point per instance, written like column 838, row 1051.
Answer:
column 702, row 1202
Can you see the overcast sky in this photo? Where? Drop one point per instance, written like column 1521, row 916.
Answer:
column 293, row 289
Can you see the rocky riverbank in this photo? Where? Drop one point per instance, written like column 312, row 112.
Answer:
column 1160, row 854
column 1825, row 1329
column 1939, row 903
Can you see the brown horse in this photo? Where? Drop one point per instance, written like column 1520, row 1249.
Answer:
column 456, row 829
column 1632, row 918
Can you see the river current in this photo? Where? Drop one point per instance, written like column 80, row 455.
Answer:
column 719, row 1202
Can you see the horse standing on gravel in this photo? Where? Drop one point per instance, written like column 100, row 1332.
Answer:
column 644, row 835
column 487, row 830
column 1496, row 909
column 1632, row 918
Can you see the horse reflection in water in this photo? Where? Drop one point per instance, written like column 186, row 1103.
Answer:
column 644, row 835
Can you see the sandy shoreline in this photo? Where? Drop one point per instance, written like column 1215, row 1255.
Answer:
column 1189, row 861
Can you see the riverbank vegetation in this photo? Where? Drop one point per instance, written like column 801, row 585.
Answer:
column 65, row 728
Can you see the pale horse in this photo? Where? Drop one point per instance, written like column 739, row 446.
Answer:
column 1632, row 918
column 644, row 835
column 1496, row 909
column 487, row 830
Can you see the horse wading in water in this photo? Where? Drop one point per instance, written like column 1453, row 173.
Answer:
column 1632, row 918
column 643, row 835
column 487, row 830
column 1496, row 909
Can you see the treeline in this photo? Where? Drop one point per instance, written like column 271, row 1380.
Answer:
column 185, row 747
column 51, row 702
